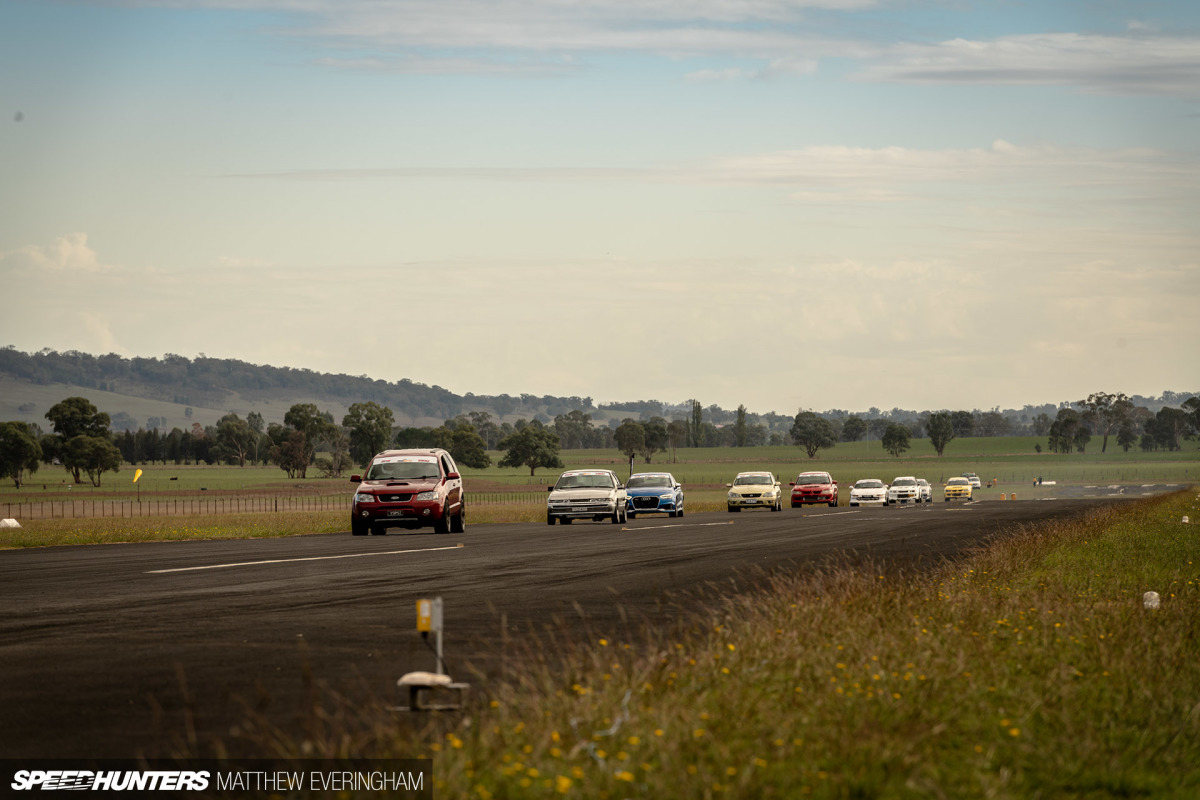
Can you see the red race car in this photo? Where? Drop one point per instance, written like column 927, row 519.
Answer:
column 814, row 487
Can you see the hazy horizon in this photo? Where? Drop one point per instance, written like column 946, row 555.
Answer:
column 783, row 204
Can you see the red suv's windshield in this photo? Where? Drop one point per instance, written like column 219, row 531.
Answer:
column 408, row 469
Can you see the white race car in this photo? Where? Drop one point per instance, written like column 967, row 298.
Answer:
column 926, row 490
column 595, row 494
column 869, row 491
column 903, row 490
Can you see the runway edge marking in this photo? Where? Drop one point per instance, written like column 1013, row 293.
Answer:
column 287, row 560
column 677, row 525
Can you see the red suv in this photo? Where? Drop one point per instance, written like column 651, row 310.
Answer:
column 408, row 489
column 814, row 487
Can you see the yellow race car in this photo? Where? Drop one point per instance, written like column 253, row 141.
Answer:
column 957, row 489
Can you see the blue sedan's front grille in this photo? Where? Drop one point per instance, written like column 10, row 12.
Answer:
column 645, row 502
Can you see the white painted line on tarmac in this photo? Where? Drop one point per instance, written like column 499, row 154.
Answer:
column 287, row 560
column 678, row 525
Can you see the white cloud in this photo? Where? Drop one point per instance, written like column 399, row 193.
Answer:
column 778, row 67
column 97, row 331
column 1134, row 64
column 426, row 37
column 239, row 262
column 718, row 75
column 1000, row 163
column 422, row 65
column 69, row 253
column 873, row 174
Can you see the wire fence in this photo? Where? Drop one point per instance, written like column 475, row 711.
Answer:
column 171, row 507
column 196, row 506
column 186, row 506
column 506, row 498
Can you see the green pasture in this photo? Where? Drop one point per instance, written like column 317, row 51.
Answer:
column 156, row 481
column 1010, row 459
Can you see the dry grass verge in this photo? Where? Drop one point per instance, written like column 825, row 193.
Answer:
column 1030, row 669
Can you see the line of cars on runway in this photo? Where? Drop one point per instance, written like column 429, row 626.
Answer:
column 903, row 490
column 420, row 488
column 598, row 494
column 819, row 488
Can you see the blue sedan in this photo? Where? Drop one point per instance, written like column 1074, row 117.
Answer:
column 654, row 493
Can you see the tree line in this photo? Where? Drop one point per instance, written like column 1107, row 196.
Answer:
column 1071, row 430
column 205, row 381
column 82, row 442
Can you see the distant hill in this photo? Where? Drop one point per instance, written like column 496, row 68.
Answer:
column 211, row 387
column 176, row 391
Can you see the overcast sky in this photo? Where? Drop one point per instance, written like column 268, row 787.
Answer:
column 782, row 203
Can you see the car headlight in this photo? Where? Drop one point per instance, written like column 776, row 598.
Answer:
column 733, row 495
column 426, row 496
column 667, row 496
column 363, row 497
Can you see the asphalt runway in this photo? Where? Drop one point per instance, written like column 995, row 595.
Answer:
column 104, row 648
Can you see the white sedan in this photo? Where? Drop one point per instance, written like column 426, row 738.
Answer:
column 868, row 491
column 596, row 494
column 904, row 490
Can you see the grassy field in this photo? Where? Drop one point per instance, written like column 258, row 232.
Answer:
column 1011, row 459
column 205, row 496
column 56, row 532
column 170, row 481
column 1030, row 669
column 109, row 530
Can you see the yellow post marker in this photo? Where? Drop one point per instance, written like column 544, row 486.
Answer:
column 429, row 620
column 424, row 616
column 422, row 686
column 137, row 475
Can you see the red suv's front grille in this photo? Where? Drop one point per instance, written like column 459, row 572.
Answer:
column 394, row 498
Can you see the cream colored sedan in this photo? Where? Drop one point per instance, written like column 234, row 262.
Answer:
column 755, row 490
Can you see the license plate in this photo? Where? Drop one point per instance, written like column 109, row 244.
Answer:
column 395, row 513
column 752, row 502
